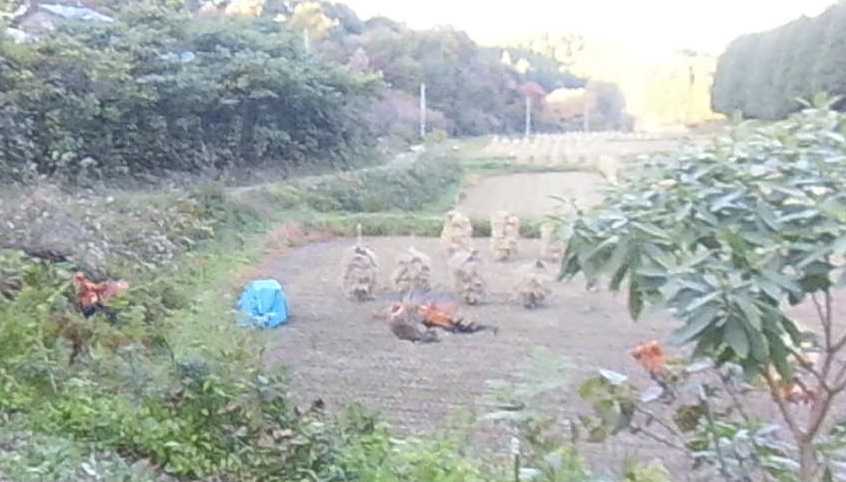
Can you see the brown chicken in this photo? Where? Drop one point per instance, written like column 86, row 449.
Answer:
column 404, row 325
column 92, row 296
column 439, row 310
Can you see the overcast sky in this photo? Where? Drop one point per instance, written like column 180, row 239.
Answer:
column 699, row 24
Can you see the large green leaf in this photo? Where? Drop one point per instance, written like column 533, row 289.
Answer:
column 750, row 312
column 736, row 337
column 635, row 299
column 618, row 263
column 619, row 276
column 784, row 282
column 603, row 246
column 768, row 216
column 759, row 346
column 695, row 325
column 779, row 356
column 652, row 230
column 702, row 301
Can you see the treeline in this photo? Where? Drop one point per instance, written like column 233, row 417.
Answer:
column 761, row 75
column 161, row 90
column 471, row 90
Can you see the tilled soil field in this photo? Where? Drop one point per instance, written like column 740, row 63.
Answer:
column 338, row 351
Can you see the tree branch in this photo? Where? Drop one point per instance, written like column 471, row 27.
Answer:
column 660, row 439
column 788, row 417
column 735, row 400
column 808, row 367
column 825, row 317
column 818, row 415
column 839, row 380
column 709, row 415
column 665, row 425
column 828, row 318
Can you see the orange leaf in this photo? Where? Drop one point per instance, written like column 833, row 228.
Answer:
column 651, row 357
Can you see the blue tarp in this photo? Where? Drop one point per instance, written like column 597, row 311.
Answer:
column 263, row 305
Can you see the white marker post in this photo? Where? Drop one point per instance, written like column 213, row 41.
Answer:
column 528, row 116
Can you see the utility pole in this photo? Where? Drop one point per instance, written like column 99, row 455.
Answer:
column 528, row 116
column 422, row 111
column 691, row 92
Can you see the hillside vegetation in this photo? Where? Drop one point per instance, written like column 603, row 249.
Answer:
column 470, row 90
column 159, row 90
column 761, row 75
column 172, row 87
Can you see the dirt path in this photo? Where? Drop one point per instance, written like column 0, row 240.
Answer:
column 530, row 195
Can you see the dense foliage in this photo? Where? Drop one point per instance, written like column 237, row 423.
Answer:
column 726, row 238
column 159, row 90
column 761, row 75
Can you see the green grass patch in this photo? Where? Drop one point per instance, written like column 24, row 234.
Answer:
column 406, row 186
column 499, row 166
column 403, row 224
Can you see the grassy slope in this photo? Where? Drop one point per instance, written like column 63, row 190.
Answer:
column 193, row 252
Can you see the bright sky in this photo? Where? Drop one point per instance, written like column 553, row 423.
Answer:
column 699, row 24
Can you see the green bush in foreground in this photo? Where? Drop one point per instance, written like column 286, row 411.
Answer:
column 728, row 238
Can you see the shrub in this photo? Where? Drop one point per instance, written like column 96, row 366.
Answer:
column 158, row 91
column 727, row 237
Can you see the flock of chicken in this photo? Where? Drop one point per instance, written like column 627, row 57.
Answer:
column 421, row 311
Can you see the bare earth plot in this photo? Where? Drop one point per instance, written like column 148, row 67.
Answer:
column 336, row 350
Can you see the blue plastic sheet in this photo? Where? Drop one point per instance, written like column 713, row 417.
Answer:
column 263, row 305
